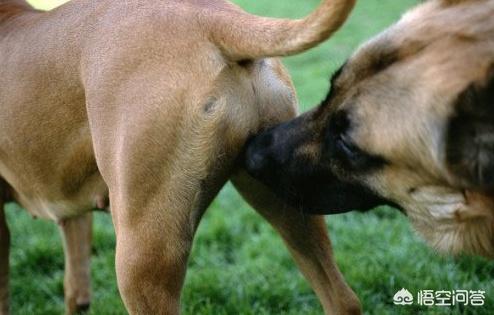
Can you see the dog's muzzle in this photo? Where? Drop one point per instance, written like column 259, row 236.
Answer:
column 273, row 157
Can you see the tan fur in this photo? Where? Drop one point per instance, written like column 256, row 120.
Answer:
column 144, row 102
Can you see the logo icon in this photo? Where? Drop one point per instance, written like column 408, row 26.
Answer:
column 403, row 297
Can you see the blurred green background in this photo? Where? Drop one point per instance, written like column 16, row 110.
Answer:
column 239, row 264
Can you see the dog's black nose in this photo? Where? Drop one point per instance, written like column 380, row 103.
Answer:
column 259, row 153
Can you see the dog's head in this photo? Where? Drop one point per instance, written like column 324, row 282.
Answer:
column 409, row 119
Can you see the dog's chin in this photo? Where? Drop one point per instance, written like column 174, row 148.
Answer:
column 454, row 222
column 319, row 193
column 330, row 199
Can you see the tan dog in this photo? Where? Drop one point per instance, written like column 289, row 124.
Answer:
column 147, row 104
column 409, row 119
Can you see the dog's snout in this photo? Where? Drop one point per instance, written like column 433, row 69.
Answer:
column 275, row 149
column 259, row 153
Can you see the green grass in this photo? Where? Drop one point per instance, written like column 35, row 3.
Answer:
column 238, row 264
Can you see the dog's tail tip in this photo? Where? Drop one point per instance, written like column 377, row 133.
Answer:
column 243, row 36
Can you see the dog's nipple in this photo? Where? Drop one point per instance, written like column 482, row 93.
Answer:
column 101, row 202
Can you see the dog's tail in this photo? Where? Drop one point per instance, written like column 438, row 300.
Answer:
column 10, row 8
column 242, row 36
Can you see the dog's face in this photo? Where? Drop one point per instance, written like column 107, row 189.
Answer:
column 409, row 118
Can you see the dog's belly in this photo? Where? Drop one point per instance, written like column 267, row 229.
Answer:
column 92, row 195
column 56, row 177
column 66, row 191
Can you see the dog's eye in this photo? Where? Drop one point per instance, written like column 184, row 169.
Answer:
column 348, row 151
column 345, row 147
column 342, row 149
column 353, row 158
column 338, row 131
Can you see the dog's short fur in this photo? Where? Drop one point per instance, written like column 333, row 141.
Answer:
column 409, row 119
column 147, row 104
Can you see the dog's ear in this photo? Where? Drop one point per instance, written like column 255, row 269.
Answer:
column 470, row 135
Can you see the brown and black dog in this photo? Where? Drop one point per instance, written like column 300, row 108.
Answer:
column 409, row 120
column 147, row 104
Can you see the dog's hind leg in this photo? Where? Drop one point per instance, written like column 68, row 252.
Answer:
column 154, row 239
column 157, row 198
column 4, row 258
column 77, row 233
column 307, row 239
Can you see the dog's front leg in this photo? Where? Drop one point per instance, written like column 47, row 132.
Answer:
column 4, row 261
column 76, row 234
column 308, row 241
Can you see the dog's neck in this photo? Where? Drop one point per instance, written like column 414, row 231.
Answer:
column 11, row 8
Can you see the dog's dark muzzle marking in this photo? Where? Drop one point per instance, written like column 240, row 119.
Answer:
column 274, row 157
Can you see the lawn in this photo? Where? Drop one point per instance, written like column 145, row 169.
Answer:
column 238, row 264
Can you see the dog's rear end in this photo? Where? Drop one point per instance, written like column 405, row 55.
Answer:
column 149, row 103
